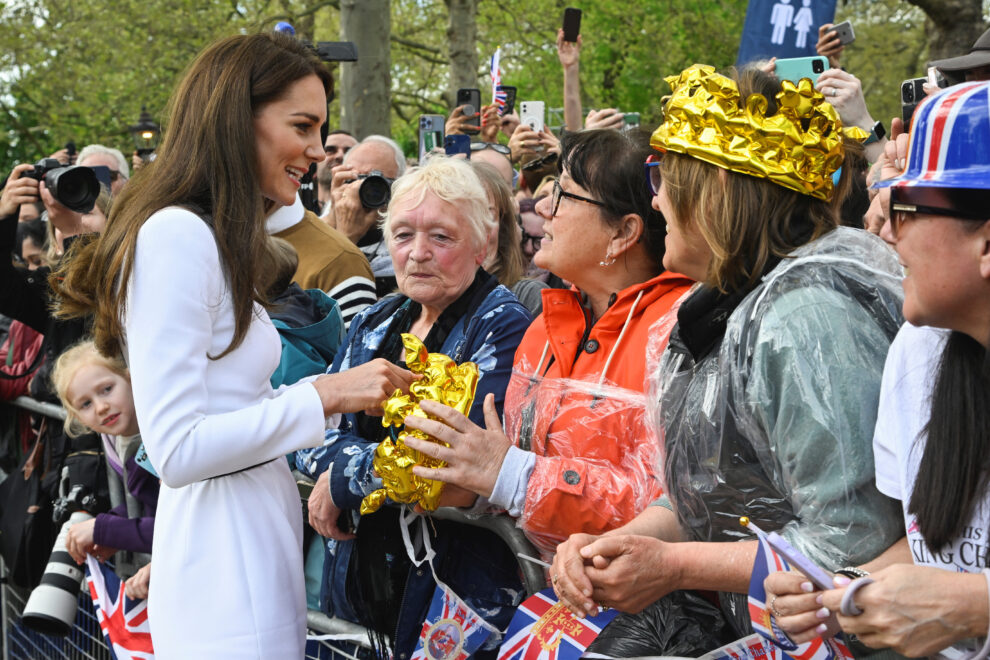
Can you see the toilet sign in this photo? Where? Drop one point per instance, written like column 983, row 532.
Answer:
column 782, row 28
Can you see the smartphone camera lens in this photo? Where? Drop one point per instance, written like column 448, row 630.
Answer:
column 817, row 66
column 907, row 93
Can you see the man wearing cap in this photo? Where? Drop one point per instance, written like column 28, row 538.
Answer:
column 975, row 65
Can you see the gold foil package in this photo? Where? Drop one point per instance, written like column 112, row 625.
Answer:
column 799, row 147
column 443, row 381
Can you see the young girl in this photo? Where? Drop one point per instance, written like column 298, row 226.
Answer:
column 96, row 393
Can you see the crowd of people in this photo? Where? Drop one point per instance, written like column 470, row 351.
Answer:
column 768, row 307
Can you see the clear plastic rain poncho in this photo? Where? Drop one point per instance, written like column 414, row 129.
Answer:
column 776, row 422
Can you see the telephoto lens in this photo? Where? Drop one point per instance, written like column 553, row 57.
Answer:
column 51, row 608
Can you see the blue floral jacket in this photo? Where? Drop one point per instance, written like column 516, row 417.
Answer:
column 486, row 578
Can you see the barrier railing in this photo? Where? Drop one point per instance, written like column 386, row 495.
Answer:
column 85, row 641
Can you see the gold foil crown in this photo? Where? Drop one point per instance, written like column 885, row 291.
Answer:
column 799, row 147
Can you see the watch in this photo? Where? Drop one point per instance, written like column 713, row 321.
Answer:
column 877, row 133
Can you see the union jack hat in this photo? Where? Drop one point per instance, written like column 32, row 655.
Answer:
column 950, row 140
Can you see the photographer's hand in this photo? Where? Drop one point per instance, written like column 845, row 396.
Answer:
column 79, row 541
column 347, row 213
column 19, row 190
column 489, row 123
column 605, row 118
column 64, row 219
column 523, row 144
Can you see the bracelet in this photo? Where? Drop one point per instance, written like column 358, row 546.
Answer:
column 852, row 572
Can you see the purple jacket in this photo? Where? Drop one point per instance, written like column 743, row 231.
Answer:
column 114, row 529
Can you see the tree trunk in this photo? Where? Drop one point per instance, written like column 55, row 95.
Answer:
column 365, row 85
column 462, row 37
column 956, row 25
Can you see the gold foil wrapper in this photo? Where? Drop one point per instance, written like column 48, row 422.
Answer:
column 799, row 147
column 442, row 380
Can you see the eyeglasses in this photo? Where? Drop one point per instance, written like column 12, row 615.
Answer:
column 114, row 175
column 494, row 146
column 534, row 241
column 559, row 193
column 936, row 201
column 652, row 170
column 331, row 149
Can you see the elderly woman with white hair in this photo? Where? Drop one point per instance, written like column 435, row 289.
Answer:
column 437, row 228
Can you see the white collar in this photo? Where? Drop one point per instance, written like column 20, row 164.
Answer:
column 284, row 217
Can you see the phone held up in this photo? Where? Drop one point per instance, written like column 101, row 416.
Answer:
column 431, row 129
column 457, row 144
column 796, row 68
column 533, row 114
column 510, row 99
column 845, row 32
column 912, row 93
column 471, row 100
column 572, row 24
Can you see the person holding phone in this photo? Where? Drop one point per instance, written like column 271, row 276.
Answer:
column 767, row 384
column 933, row 428
column 175, row 285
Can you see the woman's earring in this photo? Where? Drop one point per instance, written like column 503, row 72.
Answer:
column 608, row 260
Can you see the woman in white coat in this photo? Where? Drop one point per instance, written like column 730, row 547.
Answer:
column 176, row 283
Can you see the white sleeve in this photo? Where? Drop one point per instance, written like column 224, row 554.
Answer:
column 172, row 305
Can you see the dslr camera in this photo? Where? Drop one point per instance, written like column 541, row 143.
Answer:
column 79, row 498
column 375, row 190
column 74, row 186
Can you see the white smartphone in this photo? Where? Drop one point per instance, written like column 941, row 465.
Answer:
column 533, row 113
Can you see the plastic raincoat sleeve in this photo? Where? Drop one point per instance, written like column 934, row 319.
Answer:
column 813, row 392
column 596, row 464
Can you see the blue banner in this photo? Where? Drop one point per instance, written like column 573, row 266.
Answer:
column 782, row 28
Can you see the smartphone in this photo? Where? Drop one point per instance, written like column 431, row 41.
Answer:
column 532, row 113
column 572, row 24
column 431, row 129
column 799, row 561
column 845, row 32
column 457, row 144
column 471, row 100
column 630, row 120
column 796, row 68
column 510, row 99
column 912, row 93
column 70, row 149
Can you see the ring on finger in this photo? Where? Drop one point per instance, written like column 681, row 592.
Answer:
column 848, row 605
column 773, row 607
column 554, row 578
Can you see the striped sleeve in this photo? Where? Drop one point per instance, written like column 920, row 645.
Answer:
column 353, row 295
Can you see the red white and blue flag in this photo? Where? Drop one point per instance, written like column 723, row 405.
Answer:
column 544, row 629
column 452, row 630
column 768, row 561
column 124, row 621
column 499, row 96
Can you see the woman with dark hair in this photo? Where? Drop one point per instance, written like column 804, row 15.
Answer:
column 577, row 454
column 177, row 285
column 768, row 383
column 932, row 439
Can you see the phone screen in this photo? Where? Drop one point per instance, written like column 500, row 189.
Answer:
column 572, row 24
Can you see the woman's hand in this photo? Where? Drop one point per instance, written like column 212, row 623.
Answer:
column 568, row 577
column 460, row 123
column 845, row 92
column 801, row 615
column 136, row 586
column 474, row 456
column 19, row 190
column 828, row 44
column 524, row 144
column 549, row 141
column 364, row 387
column 323, row 513
column 605, row 118
column 489, row 123
column 915, row 610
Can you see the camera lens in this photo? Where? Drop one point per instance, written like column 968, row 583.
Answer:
column 75, row 187
column 375, row 191
column 907, row 92
column 817, row 66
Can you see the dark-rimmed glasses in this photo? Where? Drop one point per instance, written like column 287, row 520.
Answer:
column 494, row 146
column 936, row 201
column 559, row 193
column 534, row 241
column 651, row 168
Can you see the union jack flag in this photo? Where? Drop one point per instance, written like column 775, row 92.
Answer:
column 452, row 630
column 768, row 561
column 543, row 629
column 499, row 97
column 124, row 621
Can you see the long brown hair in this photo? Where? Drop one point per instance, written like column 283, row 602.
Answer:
column 508, row 265
column 747, row 220
column 208, row 162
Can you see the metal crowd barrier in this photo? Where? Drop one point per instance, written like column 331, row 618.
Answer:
column 86, row 642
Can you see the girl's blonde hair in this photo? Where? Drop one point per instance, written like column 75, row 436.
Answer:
column 67, row 366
